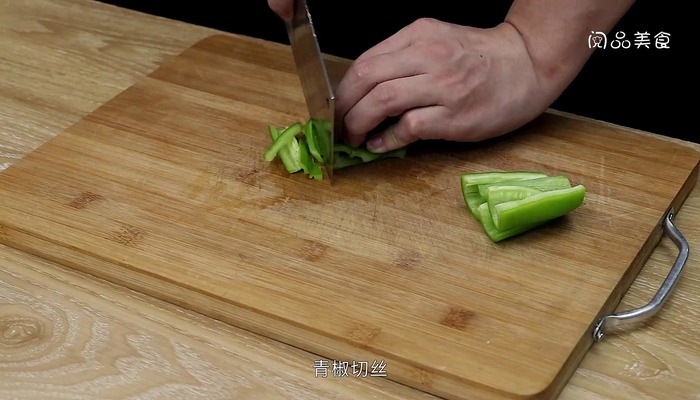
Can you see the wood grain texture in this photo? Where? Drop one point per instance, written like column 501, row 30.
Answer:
column 60, row 60
column 163, row 189
column 67, row 336
column 657, row 361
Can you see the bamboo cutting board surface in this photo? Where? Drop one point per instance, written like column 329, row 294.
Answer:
column 164, row 190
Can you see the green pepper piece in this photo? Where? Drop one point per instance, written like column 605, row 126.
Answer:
column 542, row 184
column 364, row 154
column 307, row 162
column 473, row 201
column 283, row 140
column 315, row 143
column 503, row 193
column 471, row 181
column 537, row 208
column 397, row 153
column 312, row 138
column 343, row 148
column 368, row 156
column 495, row 195
column 321, row 130
column 495, row 234
column 342, row 160
column 290, row 154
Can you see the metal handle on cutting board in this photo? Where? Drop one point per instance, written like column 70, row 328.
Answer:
column 647, row 311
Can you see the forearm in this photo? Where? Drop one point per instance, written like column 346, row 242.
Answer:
column 555, row 33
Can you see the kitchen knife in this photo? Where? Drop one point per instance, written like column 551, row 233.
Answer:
column 315, row 83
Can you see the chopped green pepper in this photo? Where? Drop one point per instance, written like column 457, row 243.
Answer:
column 342, row 160
column 289, row 154
column 312, row 138
column 283, row 140
column 322, row 133
column 495, row 234
column 312, row 149
column 366, row 155
column 474, row 200
column 537, row 208
column 543, row 184
column 470, row 182
column 501, row 194
column 307, row 162
column 511, row 203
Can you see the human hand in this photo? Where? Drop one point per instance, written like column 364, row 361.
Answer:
column 443, row 81
column 283, row 8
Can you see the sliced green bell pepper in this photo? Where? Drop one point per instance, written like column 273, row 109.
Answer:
column 306, row 147
column 314, row 140
column 289, row 154
column 342, row 160
column 285, row 138
column 474, row 200
column 501, row 194
column 537, row 208
column 308, row 164
column 495, row 234
column 311, row 140
column 323, row 139
column 510, row 203
column 542, row 184
column 366, row 155
column 471, row 182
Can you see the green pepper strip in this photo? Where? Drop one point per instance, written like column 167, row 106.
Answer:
column 323, row 139
column 368, row 156
column 314, row 146
column 307, row 162
column 537, row 208
column 495, row 234
column 342, row 160
column 502, row 194
column 543, row 184
column 471, row 182
column 290, row 154
column 474, row 200
column 311, row 135
column 283, row 140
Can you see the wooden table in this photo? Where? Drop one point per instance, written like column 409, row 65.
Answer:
column 66, row 335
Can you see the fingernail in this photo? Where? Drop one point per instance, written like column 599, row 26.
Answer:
column 375, row 144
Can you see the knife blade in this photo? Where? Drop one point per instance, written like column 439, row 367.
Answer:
column 316, row 85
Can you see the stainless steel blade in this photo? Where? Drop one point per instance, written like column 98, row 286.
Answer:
column 313, row 75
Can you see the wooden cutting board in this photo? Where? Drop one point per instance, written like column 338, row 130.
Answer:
column 164, row 190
